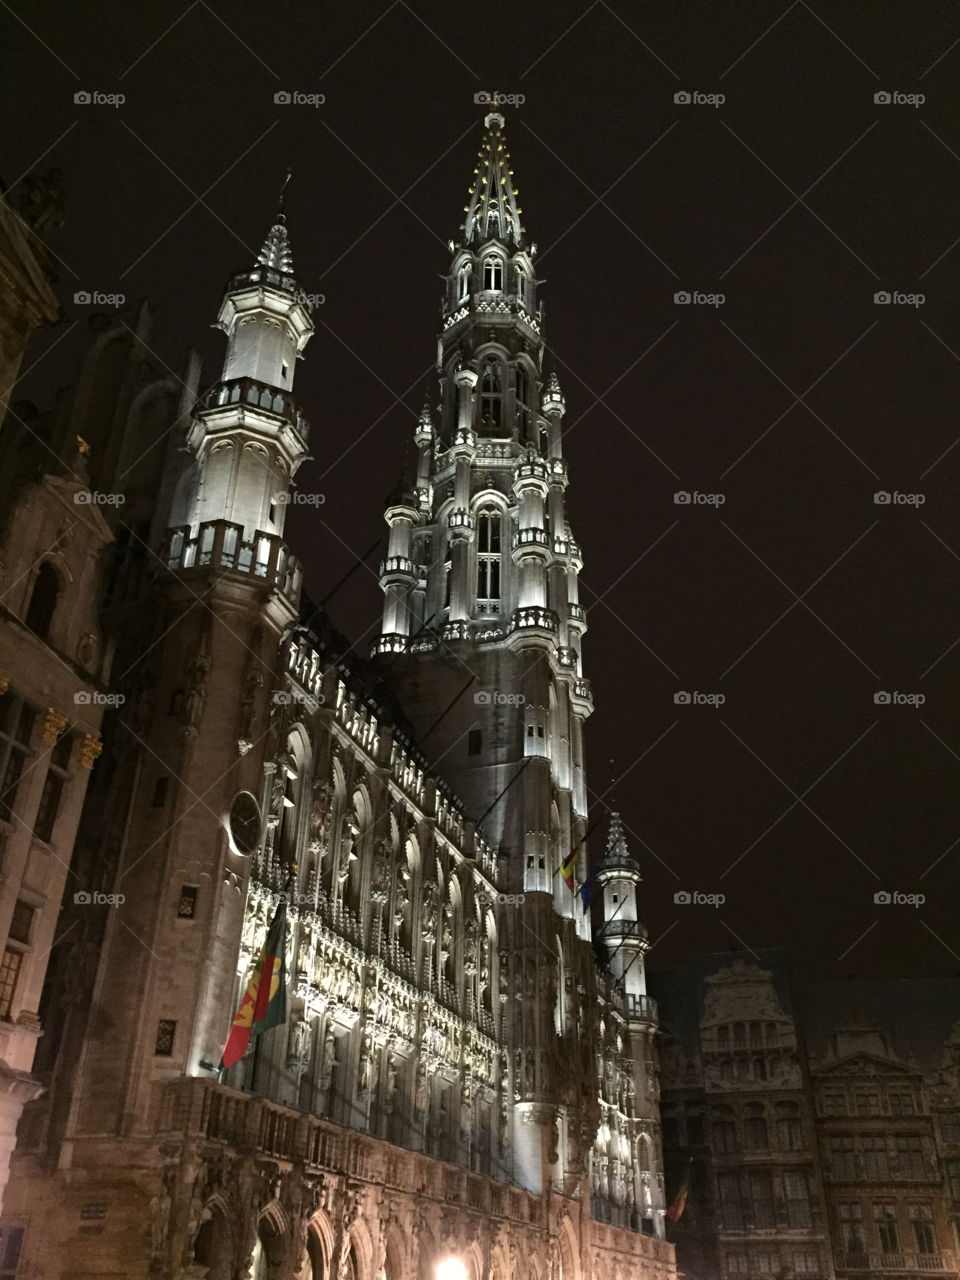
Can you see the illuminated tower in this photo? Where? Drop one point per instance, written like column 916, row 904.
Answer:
column 481, row 640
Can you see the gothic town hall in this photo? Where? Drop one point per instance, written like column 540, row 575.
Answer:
column 335, row 990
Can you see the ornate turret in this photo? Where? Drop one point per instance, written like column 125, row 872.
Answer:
column 624, row 937
column 248, row 435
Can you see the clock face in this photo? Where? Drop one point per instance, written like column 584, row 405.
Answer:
column 244, row 823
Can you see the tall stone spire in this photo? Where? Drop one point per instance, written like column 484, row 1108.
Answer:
column 276, row 253
column 493, row 212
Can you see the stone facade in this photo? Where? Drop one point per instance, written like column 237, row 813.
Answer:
column 457, row 1076
column 757, row 1093
column 27, row 300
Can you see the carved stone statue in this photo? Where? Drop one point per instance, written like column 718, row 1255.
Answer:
column 328, row 1057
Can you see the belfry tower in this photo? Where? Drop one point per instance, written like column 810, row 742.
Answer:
column 481, row 641
column 481, row 574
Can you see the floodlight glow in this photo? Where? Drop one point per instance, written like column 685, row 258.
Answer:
column 451, row 1269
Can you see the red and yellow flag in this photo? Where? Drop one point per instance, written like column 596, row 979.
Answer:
column 680, row 1203
column 264, row 1004
column 566, row 869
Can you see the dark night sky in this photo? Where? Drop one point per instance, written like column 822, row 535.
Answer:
column 798, row 198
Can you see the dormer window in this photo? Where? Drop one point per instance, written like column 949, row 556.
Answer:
column 493, row 275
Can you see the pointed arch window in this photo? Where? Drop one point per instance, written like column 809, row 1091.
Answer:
column 493, row 274
column 463, row 282
column 447, row 579
column 522, row 285
column 491, row 394
column 523, row 392
column 489, row 559
column 43, row 601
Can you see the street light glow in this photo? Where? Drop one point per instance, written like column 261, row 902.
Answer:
column 451, row 1269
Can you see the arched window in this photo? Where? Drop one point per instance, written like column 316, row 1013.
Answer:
column 523, row 285
column 523, row 393
column 491, row 393
column 493, row 274
column 43, row 601
column 447, row 579
column 488, row 560
column 463, row 281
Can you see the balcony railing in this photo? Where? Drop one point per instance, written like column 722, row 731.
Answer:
column 219, row 544
column 534, row 616
column 257, row 395
column 641, row 1008
column 202, row 1109
column 908, row 1261
column 619, row 928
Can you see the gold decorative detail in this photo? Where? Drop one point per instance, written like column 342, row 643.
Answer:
column 53, row 725
column 90, row 749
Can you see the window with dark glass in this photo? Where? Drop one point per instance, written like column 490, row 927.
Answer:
column 876, row 1162
column 724, row 1133
column 11, row 1244
column 493, row 274
column 52, row 793
column 731, row 1205
column 488, row 559
column 166, row 1031
column 885, row 1222
column 850, row 1215
column 491, row 393
column 796, row 1194
column 843, row 1159
column 755, row 1133
column 921, row 1215
column 43, row 601
column 789, row 1132
column 761, row 1199
column 9, row 974
column 187, row 903
column 16, row 727
column 910, row 1156
column 21, row 921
